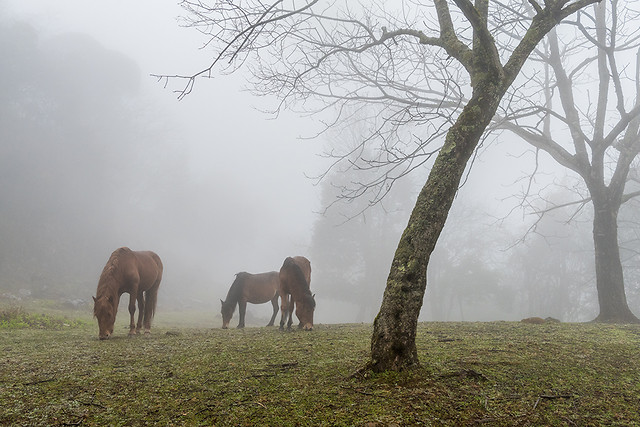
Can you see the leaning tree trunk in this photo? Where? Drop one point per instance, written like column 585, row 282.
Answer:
column 609, row 274
column 393, row 345
column 393, row 342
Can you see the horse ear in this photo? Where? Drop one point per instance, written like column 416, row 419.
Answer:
column 221, row 302
column 94, row 299
column 313, row 296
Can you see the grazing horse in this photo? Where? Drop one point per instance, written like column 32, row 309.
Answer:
column 305, row 266
column 138, row 274
column 294, row 291
column 254, row 288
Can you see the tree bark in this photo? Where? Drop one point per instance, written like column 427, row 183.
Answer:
column 609, row 274
column 393, row 342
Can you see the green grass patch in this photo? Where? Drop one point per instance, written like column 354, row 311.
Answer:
column 18, row 318
column 494, row 374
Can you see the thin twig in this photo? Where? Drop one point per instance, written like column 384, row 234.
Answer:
column 550, row 397
column 48, row 380
column 250, row 403
column 366, row 393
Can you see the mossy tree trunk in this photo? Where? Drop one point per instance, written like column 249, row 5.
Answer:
column 393, row 344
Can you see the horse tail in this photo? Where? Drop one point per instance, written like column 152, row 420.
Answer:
column 151, row 298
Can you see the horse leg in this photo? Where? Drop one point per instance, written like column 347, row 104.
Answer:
column 284, row 305
column 132, row 310
column 141, row 307
column 242, row 309
column 291, row 306
column 274, row 303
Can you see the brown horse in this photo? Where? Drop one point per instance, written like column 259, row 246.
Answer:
column 305, row 266
column 254, row 288
column 294, row 291
column 138, row 274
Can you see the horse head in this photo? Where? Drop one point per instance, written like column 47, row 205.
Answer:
column 104, row 311
column 227, row 313
column 304, row 311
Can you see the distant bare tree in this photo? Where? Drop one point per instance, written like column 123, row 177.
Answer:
column 594, row 73
column 553, row 267
column 467, row 281
column 353, row 243
column 415, row 61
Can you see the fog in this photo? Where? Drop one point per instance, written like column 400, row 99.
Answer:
column 96, row 154
column 210, row 183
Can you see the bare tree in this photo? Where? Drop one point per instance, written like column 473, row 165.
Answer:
column 353, row 243
column 553, row 267
column 416, row 61
column 593, row 70
column 466, row 281
column 629, row 239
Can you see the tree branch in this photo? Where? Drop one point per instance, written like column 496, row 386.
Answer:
column 485, row 39
column 544, row 143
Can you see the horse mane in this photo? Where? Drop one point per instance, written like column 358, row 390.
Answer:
column 236, row 289
column 298, row 275
column 107, row 279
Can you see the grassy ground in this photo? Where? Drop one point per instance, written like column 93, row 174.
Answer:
column 494, row 374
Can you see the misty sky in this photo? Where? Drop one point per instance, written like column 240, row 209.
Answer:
column 222, row 134
column 243, row 202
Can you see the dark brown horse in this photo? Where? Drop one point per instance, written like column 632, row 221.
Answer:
column 305, row 266
column 294, row 291
column 254, row 288
column 138, row 274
